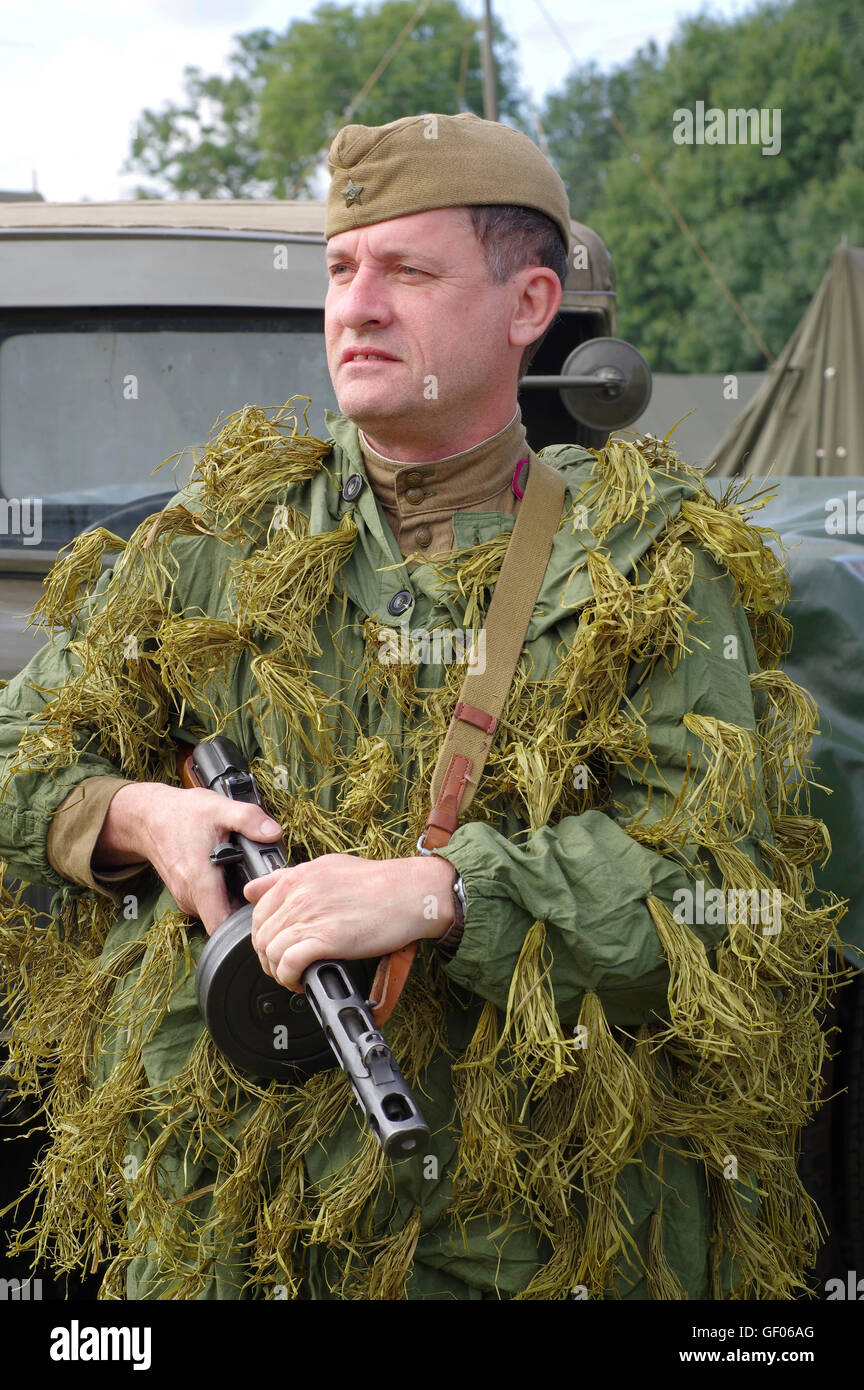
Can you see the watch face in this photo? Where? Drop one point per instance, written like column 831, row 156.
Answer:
column 459, row 890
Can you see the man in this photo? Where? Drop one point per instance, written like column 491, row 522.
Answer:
column 613, row 1108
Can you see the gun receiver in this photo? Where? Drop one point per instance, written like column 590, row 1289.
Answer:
column 267, row 1029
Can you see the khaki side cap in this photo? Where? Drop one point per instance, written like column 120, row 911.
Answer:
column 420, row 163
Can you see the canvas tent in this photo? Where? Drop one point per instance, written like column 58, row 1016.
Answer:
column 807, row 419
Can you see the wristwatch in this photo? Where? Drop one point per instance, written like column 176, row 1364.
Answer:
column 449, row 943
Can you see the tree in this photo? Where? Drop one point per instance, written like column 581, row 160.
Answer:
column 256, row 132
column 768, row 222
column 208, row 145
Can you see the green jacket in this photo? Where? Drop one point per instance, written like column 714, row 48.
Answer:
column 612, row 1105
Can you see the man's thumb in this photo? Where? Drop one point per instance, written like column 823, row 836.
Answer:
column 253, row 822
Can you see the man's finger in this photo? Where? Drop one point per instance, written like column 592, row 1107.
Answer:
column 273, row 900
column 255, row 889
column 250, row 820
column 269, row 965
column 270, row 918
column 295, row 959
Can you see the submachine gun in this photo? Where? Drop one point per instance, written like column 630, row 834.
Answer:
column 269, row 1030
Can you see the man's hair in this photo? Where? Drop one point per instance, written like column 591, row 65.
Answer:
column 513, row 238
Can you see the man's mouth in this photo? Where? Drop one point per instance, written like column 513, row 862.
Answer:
column 355, row 355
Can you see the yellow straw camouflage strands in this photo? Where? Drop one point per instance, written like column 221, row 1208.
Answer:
column 615, row 1094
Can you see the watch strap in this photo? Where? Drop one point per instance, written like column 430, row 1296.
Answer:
column 449, row 943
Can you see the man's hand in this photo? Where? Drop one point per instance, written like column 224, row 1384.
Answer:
column 340, row 907
column 175, row 828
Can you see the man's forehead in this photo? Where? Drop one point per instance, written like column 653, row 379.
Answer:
column 398, row 236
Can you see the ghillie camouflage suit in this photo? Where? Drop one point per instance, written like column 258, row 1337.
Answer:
column 614, row 1095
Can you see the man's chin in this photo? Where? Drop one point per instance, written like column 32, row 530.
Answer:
column 367, row 407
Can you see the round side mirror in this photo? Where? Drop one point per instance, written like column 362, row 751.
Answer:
column 612, row 383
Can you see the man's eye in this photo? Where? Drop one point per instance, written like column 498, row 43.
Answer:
column 337, row 267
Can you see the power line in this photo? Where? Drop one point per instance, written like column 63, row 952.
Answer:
column 461, row 98
column 365, row 89
column 671, row 206
column 541, row 134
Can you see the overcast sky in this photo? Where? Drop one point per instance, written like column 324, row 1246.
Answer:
column 74, row 76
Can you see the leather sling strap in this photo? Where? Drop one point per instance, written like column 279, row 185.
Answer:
column 481, row 699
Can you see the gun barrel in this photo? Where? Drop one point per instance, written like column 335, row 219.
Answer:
column 365, row 1058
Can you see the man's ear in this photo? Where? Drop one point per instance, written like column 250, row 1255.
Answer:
column 538, row 297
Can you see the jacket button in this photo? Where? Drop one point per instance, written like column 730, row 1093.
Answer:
column 423, row 536
column 400, row 601
column 352, row 488
column 413, row 479
column 415, row 496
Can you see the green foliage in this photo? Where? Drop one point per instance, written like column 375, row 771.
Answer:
column 769, row 223
column 209, row 144
column 322, row 63
column 256, row 132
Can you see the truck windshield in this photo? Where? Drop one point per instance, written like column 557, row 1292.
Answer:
column 88, row 409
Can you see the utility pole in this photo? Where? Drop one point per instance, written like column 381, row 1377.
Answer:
column 490, row 91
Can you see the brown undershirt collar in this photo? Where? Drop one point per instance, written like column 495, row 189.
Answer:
column 419, row 499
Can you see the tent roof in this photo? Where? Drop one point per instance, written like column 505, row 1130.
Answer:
column 807, row 418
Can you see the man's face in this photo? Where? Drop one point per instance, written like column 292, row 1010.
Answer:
column 415, row 289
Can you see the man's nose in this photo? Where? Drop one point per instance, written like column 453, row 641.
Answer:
column 364, row 300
